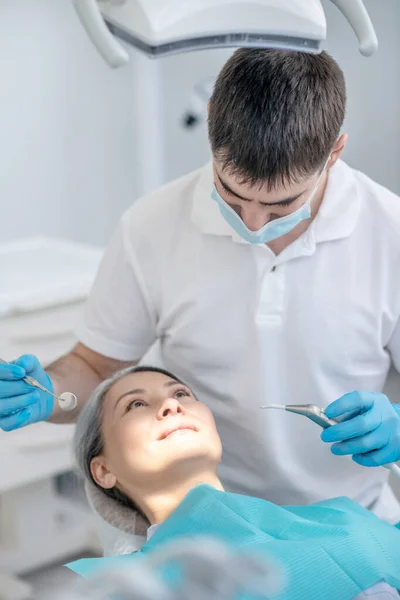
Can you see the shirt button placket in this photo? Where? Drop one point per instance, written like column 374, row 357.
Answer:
column 271, row 299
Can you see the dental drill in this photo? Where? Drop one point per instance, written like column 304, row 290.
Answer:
column 318, row 416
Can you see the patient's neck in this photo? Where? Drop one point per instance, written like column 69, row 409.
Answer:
column 157, row 505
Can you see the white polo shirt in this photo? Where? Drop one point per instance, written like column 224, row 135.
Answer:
column 244, row 327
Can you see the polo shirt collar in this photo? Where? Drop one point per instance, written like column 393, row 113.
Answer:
column 340, row 209
column 336, row 218
column 205, row 212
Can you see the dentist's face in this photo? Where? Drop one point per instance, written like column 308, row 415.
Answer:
column 154, row 429
column 258, row 205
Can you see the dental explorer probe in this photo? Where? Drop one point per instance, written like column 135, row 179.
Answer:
column 67, row 401
column 318, row 416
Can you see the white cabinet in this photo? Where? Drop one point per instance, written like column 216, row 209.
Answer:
column 37, row 525
column 45, row 333
column 41, row 450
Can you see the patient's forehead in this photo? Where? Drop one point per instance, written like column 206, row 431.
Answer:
column 148, row 381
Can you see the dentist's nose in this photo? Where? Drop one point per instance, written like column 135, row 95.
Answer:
column 170, row 407
column 254, row 220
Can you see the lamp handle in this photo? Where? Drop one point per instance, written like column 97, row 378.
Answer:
column 358, row 17
column 112, row 52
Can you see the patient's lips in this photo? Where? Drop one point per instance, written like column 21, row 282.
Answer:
column 175, row 428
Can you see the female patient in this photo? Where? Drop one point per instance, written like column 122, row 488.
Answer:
column 148, row 444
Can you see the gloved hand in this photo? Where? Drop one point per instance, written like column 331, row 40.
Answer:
column 20, row 403
column 371, row 433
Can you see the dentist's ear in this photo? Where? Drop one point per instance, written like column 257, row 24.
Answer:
column 101, row 474
column 338, row 150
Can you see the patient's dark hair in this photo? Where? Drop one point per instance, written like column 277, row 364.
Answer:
column 275, row 115
column 88, row 440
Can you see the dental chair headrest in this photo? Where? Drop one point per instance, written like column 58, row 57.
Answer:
column 120, row 517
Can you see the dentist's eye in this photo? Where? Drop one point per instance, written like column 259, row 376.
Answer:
column 227, row 192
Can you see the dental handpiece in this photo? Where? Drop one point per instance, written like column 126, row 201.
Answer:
column 312, row 412
column 67, row 401
column 318, row 416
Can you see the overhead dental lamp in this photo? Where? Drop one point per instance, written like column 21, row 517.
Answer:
column 163, row 27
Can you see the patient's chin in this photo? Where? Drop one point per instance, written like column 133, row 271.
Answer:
column 190, row 459
column 192, row 447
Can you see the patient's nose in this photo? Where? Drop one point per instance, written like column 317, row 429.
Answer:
column 170, row 406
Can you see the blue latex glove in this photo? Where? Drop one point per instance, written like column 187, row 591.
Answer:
column 371, row 433
column 20, row 403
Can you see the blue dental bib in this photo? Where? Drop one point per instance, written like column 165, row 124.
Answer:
column 333, row 549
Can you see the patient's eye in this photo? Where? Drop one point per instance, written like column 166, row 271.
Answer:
column 135, row 404
column 182, row 393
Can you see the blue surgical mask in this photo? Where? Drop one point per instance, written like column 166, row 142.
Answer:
column 271, row 230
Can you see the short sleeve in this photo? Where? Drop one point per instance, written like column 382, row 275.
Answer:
column 119, row 320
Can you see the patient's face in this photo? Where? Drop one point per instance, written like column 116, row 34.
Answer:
column 154, row 429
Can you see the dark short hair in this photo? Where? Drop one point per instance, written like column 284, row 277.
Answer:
column 275, row 115
column 88, row 439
